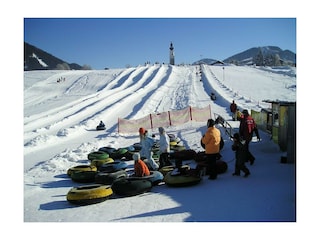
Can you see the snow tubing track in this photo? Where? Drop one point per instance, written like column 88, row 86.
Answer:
column 89, row 194
column 130, row 187
column 155, row 177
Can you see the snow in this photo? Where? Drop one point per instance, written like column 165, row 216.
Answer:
column 42, row 63
column 59, row 133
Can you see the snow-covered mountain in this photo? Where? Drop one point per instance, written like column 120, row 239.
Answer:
column 37, row 59
column 263, row 56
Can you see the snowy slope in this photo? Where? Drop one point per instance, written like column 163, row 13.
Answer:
column 59, row 132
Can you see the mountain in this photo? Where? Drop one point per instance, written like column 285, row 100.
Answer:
column 264, row 56
column 208, row 61
column 37, row 59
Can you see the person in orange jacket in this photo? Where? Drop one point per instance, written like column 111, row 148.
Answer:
column 140, row 168
column 211, row 141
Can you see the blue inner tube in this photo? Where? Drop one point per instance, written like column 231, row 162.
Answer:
column 113, row 166
column 155, row 177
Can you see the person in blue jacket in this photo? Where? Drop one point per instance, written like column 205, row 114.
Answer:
column 147, row 142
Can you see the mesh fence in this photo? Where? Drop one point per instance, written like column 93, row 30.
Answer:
column 165, row 119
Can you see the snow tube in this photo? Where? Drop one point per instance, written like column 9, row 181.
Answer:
column 120, row 153
column 89, row 194
column 99, row 162
column 130, row 148
column 99, row 128
column 173, row 143
column 98, row 155
column 155, row 177
column 177, row 148
column 184, row 154
column 83, row 176
column 137, row 147
column 187, row 178
column 113, row 166
column 222, row 166
column 130, row 187
column 81, row 168
column 109, row 177
column 164, row 170
column 108, row 150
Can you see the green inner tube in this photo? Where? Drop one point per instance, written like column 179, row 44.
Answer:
column 98, row 155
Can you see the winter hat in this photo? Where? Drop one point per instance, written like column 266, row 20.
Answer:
column 136, row 156
column 210, row 123
column 236, row 136
column 161, row 130
column 142, row 130
column 245, row 112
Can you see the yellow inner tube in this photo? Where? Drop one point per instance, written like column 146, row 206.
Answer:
column 89, row 192
column 100, row 162
column 81, row 168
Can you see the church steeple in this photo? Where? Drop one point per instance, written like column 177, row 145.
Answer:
column 171, row 54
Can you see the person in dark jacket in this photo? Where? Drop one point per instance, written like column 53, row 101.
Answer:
column 246, row 129
column 233, row 109
column 241, row 156
column 101, row 124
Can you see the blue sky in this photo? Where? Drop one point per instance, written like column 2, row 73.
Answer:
column 118, row 42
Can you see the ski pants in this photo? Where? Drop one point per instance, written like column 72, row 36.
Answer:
column 211, row 164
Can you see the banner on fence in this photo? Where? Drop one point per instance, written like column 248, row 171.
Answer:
column 165, row 119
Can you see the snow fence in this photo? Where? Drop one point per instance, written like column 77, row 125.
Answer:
column 165, row 119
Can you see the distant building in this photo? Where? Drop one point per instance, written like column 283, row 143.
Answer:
column 171, row 54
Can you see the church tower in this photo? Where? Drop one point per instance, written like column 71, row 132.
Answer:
column 171, row 54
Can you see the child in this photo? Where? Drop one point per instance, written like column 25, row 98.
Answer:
column 164, row 148
column 140, row 168
column 241, row 156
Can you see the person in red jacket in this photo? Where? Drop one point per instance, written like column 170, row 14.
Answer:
column 140, row 168
column 211, row 141
column 246, row 129
column 233, row 109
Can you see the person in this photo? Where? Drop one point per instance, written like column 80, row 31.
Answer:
column 213, row 96
column 211, row 141
column 140, row 168
column 101, row 124
column 239, row 114
column 164, row 148
column 246, row 129
column 147, row 143
column 233, row 109
column 241, row 155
